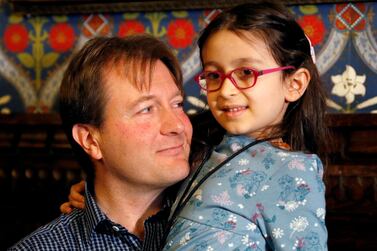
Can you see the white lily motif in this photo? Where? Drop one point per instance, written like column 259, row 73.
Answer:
column 348, row 84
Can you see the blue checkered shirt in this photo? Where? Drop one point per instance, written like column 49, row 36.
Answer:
column 91, row 229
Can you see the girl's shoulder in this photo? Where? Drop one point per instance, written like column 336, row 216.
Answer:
column 292, row 162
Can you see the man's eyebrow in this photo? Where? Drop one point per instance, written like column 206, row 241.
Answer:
column 142, row 99
column 146, row 98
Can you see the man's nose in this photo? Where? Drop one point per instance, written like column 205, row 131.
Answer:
column 172, row 122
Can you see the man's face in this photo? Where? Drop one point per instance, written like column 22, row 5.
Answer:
column 145, row 137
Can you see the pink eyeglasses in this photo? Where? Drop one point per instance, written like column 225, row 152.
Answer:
column 242, row 78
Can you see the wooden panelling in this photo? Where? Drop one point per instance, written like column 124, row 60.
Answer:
column 37, row 168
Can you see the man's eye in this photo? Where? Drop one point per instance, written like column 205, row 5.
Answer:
column 147, row 109
column 179, row 104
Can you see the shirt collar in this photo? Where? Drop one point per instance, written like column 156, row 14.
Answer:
column 93, row 214
column 232, row 143
column 97, row 221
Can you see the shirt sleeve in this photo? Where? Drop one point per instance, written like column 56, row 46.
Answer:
column 292, row 212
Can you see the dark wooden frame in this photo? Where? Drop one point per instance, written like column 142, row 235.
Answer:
column 96, row 6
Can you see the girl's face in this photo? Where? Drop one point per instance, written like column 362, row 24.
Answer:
column 250, row 111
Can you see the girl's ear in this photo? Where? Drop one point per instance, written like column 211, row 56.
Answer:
column 296, row 84
column 86, row 137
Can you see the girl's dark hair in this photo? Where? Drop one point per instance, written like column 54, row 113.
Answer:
column 303, row 126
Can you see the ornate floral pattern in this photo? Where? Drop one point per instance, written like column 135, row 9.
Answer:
column 313, row 27
column 35, row 48
column 130, row 27
column 16, row 38
column 180, row 33
column 258, row 206
column 61, row 37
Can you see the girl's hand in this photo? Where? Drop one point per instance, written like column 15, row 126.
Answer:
column 76, row 198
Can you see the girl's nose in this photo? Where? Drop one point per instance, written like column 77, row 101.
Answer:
column 228, row 88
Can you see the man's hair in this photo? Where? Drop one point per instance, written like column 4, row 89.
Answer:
column 82, row 92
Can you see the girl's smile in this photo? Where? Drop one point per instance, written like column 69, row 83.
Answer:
column 248, row 111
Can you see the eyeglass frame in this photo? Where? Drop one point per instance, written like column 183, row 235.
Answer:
column 228, row 75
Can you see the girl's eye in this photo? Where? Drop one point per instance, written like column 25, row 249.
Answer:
column 244, row 72
column 212, row 75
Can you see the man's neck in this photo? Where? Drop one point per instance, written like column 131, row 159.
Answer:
column 128, row 206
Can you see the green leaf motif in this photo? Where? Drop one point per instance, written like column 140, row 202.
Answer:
column 180, row 14
column 60, row 19
column 26, row 59
column 49, row 59
column 308, row 9
column 130, row 16
column 15, row 19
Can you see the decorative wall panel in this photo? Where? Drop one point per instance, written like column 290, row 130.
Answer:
column 34, row 51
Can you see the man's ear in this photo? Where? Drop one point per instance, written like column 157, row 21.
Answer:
column 297, row 84
column 85, row 136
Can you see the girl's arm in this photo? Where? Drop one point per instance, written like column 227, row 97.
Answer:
column 75, row 199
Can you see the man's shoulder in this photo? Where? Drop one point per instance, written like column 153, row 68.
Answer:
column 58, row 234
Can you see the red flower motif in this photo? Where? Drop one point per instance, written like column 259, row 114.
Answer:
column 16, row 38
column 180, row 33
column 349, row 16
column 61, row 37
column 313, row 27
column 130, row 27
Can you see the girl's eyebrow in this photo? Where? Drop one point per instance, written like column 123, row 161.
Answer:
column 237, row 61
column 249, row 60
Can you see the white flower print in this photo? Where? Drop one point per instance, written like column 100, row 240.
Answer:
column 277, row 233
column 251, row 227
column 209, row 248
column 291, row 205
column 298, row 224
column 185, row 239
column 296, row 164
column 235, row 147
column 243, row 162
column 321, row 212
column 232, row 218
column 300, row 181
column 198, row 194
column 265, row 187
column 222, row 199
column 222, row 236
column 348, row 84
column 282, row 154
column 245, row 240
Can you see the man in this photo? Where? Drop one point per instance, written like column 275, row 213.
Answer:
column 121, row 105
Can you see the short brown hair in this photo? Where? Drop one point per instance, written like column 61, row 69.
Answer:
column 82, row 95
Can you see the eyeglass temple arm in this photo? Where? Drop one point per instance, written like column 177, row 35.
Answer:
column 275, row 69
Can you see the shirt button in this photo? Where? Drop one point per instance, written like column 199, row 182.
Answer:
column 115, row 228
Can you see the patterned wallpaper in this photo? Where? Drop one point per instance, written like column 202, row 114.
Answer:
column 34, row 51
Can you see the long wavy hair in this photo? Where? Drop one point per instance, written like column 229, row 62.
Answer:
column 303, row 126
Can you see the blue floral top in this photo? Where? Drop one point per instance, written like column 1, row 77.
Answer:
column 265, row 198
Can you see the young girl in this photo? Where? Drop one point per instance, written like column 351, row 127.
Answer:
column 261, row 188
